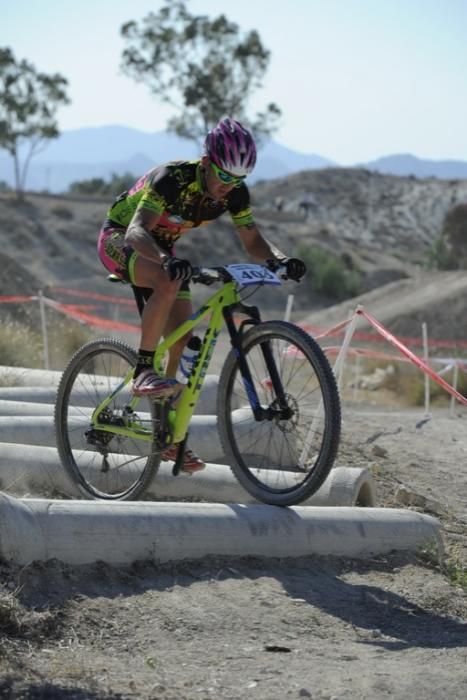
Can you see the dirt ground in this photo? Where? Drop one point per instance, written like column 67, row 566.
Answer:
column 316, row 627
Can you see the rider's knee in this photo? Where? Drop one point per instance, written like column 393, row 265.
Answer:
column 166, row 287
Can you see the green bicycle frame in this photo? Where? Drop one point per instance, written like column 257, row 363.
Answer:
column 180, row 418
column 215, row 305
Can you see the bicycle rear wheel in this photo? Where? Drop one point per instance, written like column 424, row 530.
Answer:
column 285, row 456
column 101, row 464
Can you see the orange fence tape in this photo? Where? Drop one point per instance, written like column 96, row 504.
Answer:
column 412, row 357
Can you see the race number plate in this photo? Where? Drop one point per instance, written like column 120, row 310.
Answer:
column 247, row 274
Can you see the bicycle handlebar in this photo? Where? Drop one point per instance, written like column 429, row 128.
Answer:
column 208, row 275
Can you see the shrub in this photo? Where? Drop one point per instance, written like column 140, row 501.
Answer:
column 439, row 256
column 22, row 346
column 328, row 273
column 449, row 251
column 65, row 337
column 62, row 212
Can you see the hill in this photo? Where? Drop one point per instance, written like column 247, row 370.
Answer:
column 383, row 224
column 81, row 154
column 405, row 164
column 439, row 300
column 101, row 151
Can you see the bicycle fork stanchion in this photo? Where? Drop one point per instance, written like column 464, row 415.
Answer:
column 236, row 339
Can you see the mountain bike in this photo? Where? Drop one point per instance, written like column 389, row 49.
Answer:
column 278, row 409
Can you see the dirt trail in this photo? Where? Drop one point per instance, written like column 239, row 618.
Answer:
column 316, row 627
column 403, row 305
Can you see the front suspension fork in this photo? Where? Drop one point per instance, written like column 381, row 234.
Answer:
column 236, row 337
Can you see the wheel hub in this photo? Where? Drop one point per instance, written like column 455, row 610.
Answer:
column 285, row 417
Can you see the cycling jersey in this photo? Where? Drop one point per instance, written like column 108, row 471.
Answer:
column 176, row 192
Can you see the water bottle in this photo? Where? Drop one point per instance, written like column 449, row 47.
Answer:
column 188, row 358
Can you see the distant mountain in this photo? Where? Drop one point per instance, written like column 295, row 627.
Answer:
column 101, row 151
column 405, row 164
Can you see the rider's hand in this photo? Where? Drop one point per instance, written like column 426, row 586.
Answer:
column 177, row 269
column 295, row 268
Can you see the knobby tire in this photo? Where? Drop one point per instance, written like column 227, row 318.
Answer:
column 266, row 456
column 92, row 373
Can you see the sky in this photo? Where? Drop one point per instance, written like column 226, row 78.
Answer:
column 355, row 79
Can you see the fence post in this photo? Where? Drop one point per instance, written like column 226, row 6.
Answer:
column 455, row 380
column 45, row 339
column 288, row 308
column 341, row 357
column 427, row 378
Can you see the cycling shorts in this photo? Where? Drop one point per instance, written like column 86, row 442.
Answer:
column 120, row 258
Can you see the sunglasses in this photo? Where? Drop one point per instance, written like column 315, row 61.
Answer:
column 227, row 178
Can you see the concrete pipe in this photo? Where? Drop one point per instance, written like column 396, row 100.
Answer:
column 33, row 470
column 29, row 394
column 38, row 471
column 28, row 408
column 254, row 440
column 47, row 394
column 345, row 486
column 84, row 532
column 203, row 435
column 28, row 430
column 24, row 376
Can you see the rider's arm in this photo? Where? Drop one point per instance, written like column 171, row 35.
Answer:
column 151, row 209
column 251, row 237
column 257, row 245
column 139, row 237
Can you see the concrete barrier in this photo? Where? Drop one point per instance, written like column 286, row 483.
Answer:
column 83, row 532
column 203, row 437
column 33, row 394
column 38, row 471
column 25, row 376
column 47, row 393
column 29, row 408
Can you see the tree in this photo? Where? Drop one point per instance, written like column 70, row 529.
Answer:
column 204, row 68
column 449, row 250
column 99, row 186
column 28, row 103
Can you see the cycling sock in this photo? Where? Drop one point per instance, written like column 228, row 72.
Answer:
column 145, row 360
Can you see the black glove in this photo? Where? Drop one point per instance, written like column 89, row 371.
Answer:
column 295, row 268
column 177, row 269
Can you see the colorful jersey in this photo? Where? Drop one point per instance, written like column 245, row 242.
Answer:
column 176, row 193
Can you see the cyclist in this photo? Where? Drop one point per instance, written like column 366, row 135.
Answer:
column 137, row 240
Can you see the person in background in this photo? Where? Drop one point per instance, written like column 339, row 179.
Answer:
column 306, row 203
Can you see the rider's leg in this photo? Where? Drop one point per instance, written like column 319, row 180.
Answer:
column 157, row 310
column 159, row 305
column 180, row 312
column 122, row 260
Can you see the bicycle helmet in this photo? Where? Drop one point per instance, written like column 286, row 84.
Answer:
column 231, row 147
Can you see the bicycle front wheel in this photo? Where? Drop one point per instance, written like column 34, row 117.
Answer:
column 282, row 450
column 101, row 464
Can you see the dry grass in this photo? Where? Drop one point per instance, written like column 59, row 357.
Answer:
column 396, row 383
column 22, row 345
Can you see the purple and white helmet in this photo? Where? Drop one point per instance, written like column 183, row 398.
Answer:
column 231, row 147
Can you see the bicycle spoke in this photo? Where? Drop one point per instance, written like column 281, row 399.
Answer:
column 285, row 455
column 102, row 463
